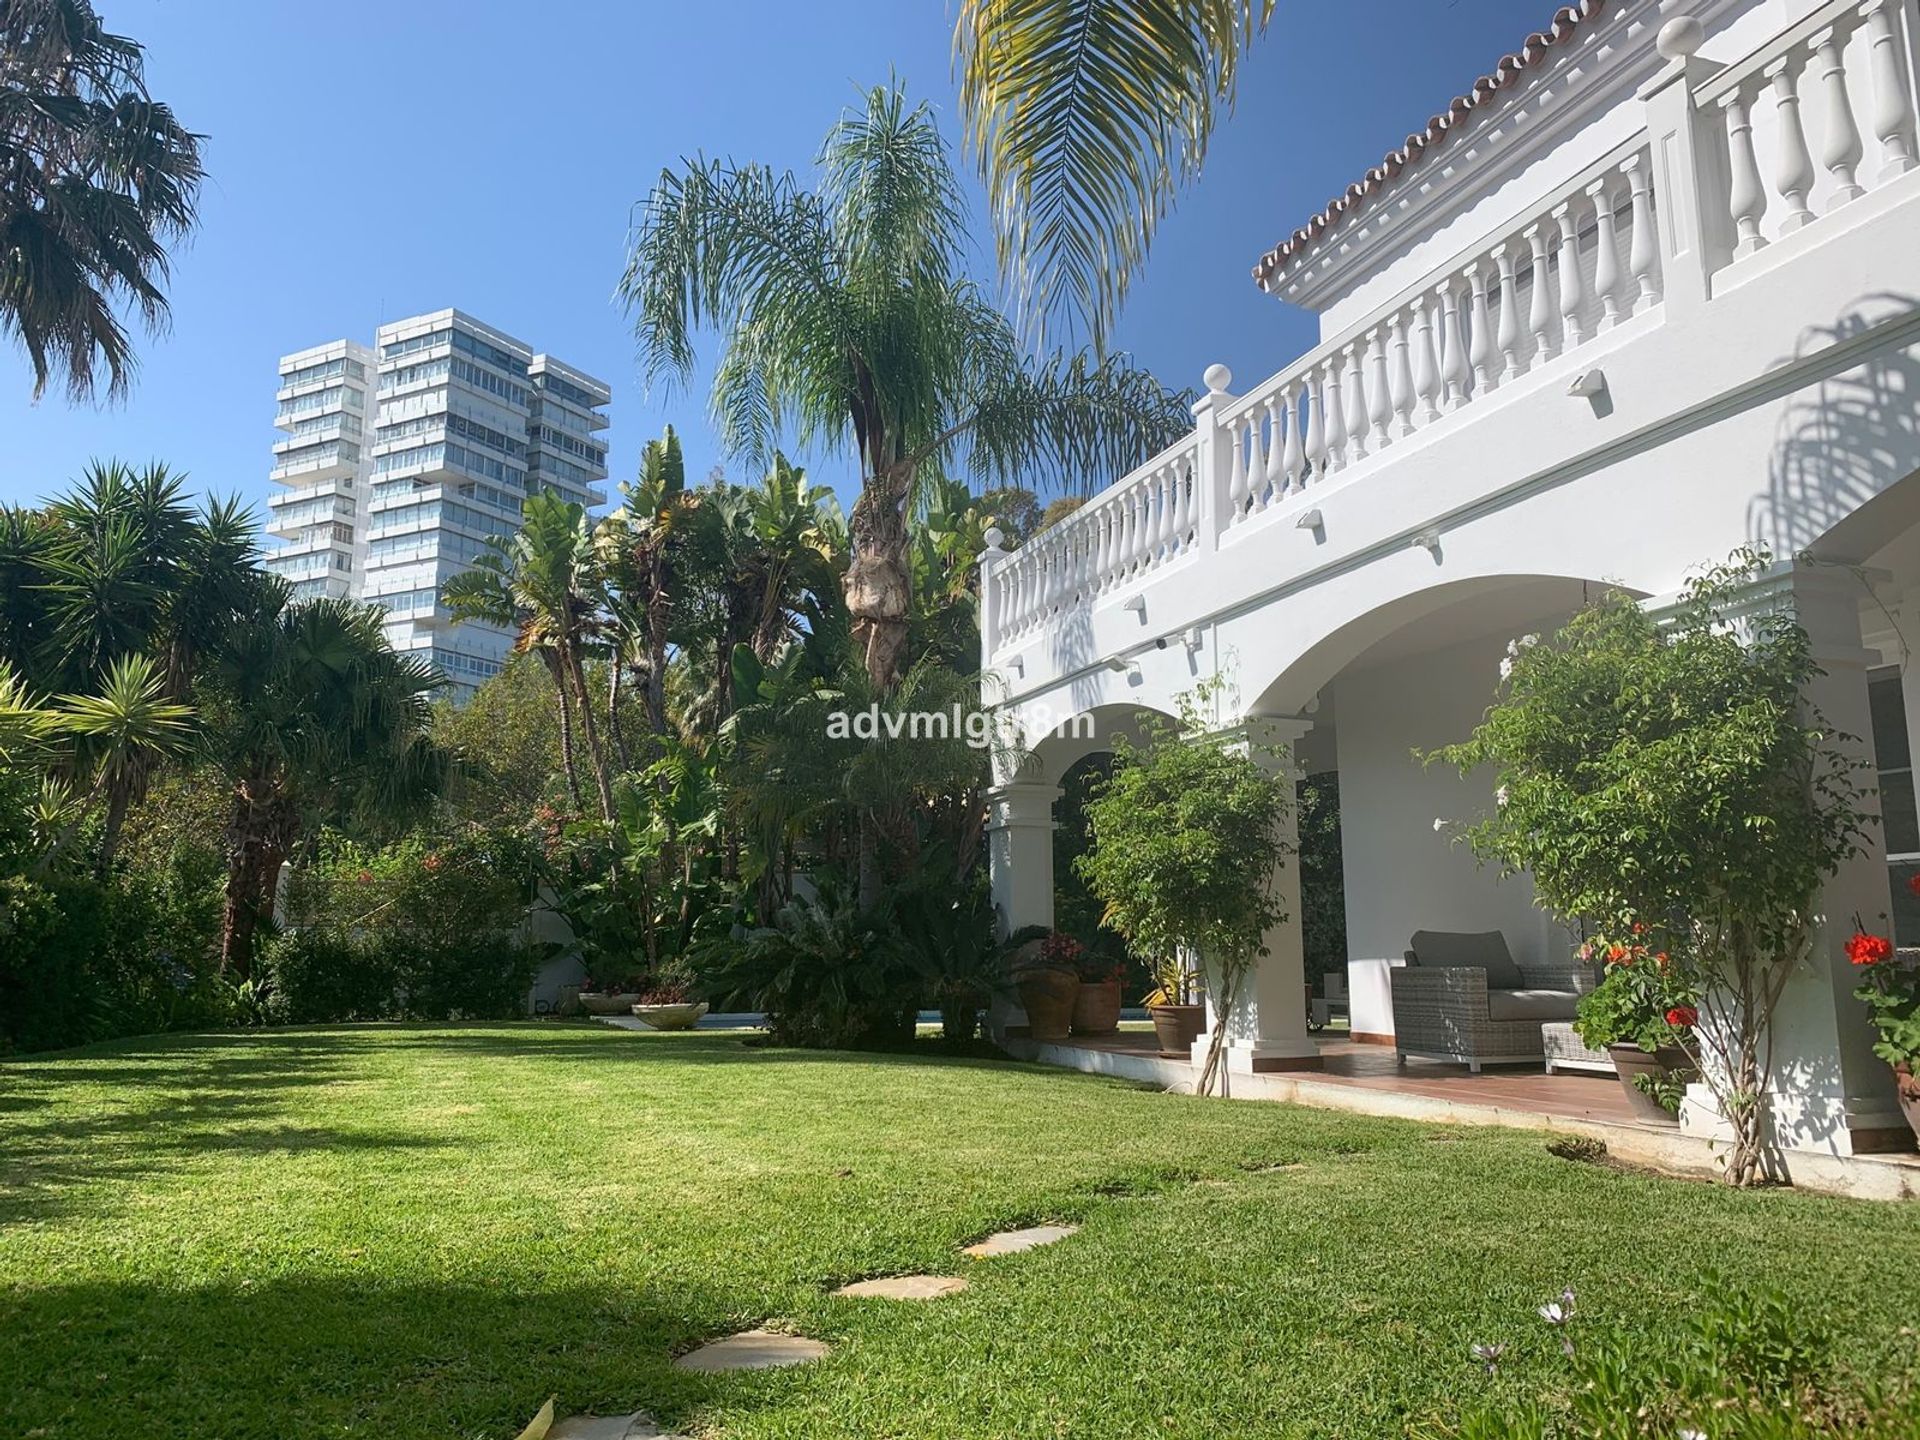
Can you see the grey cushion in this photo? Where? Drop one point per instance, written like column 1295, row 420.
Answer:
column 1452, row 949
column 1531, row 1004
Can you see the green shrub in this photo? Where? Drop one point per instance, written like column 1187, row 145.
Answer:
column 827, row 974
column 320, row 977
column 84, row 960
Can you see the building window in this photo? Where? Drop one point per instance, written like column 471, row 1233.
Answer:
column 1899, row 817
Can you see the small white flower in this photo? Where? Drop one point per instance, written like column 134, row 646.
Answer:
column 1489, row 1356
column 1692, row 1435
column 1527, row 642
column 1500, row 797
column 1553, row 1314
column 1439, row 825
column 1506, row 670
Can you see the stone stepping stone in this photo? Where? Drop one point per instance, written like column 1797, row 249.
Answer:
column 904, row 1287
column 1016, row 1242
column 637, row 1426
column 751, row 1350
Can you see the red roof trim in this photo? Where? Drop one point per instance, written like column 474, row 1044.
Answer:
column 1456, row 116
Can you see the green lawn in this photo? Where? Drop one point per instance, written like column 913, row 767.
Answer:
column 423, row 1232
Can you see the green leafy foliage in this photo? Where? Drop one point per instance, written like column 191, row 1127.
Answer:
column 1664, row 773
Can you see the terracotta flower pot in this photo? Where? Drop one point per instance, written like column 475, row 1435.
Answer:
column 1047, row 996
column 1908, row 1085
column 1177, row 1027
column 1096, row 1009
column 1631, row 1060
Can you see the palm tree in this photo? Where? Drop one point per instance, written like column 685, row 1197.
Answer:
column 640, row 549
column 1088, row 118
column 95, row 177
column 123, row 733
column 122, row 568
column 310, row 713
column 845, row 316
column 544, row 581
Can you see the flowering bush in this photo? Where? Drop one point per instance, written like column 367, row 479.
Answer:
column 1062, row 951
column 1890, row 989
column 1646, row 998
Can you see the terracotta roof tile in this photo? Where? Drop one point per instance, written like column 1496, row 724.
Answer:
column 1457, row 115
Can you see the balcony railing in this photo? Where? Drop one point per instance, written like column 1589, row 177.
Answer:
column 1596, row 253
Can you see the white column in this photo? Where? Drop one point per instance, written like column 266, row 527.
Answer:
column 1830, row 1093
column 1694, row 227
column 1268, row 1027
column 1020, row 862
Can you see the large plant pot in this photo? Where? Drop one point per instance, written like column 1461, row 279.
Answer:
column 671, row 1017
column 1908, row 1085
column 1177, row 1027
column 602, row 1004
column 1096, row 1009
column 1631, row 1060
column 1047, row 996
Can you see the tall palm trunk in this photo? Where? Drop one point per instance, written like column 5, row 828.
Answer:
column 589, row 727
column 563, row 692
column 879, row 582
column 659, row 619
column 260, row 835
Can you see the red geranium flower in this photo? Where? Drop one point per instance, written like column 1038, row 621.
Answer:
column 1865, row 949
column 1683, row 1017
column 432, row 862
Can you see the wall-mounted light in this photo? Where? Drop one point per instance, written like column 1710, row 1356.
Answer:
column 1310, row 520
column 1428, row 540
column 1588, row 383
column 1195, row 638
column 1137, row 604
column 1018, row 664
column 1119, row 662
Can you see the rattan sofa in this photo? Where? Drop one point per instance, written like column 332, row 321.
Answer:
column 1462, row 998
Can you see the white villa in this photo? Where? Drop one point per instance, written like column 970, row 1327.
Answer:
column 1648, row 291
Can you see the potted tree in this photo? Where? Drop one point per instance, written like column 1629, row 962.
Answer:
column 1890, row 989
column 1642, row 1014
column 1044, row 966
column 1185, row 831
column 1668, row 767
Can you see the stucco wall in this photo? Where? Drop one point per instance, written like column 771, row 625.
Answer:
column 1402, row 876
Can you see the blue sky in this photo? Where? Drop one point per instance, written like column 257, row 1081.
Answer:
column 373, row 160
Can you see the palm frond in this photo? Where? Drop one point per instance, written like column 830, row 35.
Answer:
column 1088, row 117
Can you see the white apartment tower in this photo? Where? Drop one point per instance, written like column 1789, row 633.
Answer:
column 466, row 423
column 324, row 461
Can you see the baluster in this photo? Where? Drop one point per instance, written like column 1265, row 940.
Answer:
column 1256, row 462
column 1238, row 488
column 1540, row 306
column 1573, row 286
column 1480, row 347
column 1294, row 462
column 1276, row 485
column 1793, row 165
column 1315, row 450
column 1641, row 251
column 1129, row 539
column 1453, row 368
column 1176, row 509
column 1379, row 390
column 1102, row 548
column 1606, row 257
column 1840, row 149
column 1426, row 365
column 1748, row 201
column 1155, row 528
column 1083, row 567
column 1509, row 335
column 1336, row 416
column 1354, row 390
column 1402, row 380
column 1892, row 113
